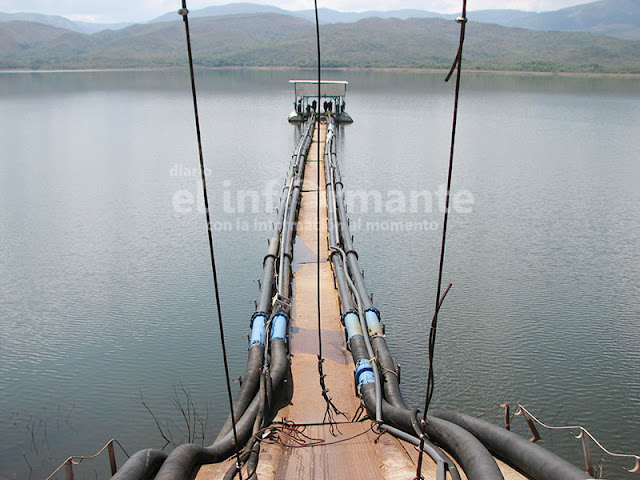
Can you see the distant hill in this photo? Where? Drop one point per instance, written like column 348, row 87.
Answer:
column 281, row 40
column 150, row 45
column 616, row 18
column 18, row 37
column 223, row 10
column 60, row 22
column 325, row 15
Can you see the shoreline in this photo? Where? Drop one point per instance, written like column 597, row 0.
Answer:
column 343, row 69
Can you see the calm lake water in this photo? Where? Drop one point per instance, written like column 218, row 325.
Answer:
column 105, row 287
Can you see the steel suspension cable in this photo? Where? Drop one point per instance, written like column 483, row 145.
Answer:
column 185, row 13
column 457, row 67
column 331, row 410
column 315, row 3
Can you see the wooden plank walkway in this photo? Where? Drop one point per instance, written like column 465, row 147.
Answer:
column 355, row 453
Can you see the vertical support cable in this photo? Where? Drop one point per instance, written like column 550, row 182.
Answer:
column 331, row 410
column 457, row 66
column 184, row 12
column 315, row 2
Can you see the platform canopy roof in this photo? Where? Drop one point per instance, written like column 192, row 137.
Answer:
column 328, row 88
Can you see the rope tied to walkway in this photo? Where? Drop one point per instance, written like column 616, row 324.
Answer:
column 292, row 435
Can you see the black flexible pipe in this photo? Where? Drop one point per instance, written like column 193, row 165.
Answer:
column 182, row 462
column 346, row 299
column 475, row 459
column 251, row 377
column 391, row 385
column 277, row 346
column 291, row 209
column 249, row 387
column 432, row 450
column 261, row 419
column 142, row 465
column 250, row 453
column 531, row 459
column 252, row 463
column 345, row 294
column 288, row 237
column 179, row 461
column 352, row 256
column 267, row 283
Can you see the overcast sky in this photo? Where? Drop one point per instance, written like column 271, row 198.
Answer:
column 143, row 10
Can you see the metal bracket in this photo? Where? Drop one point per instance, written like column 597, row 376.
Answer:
column 281, row 303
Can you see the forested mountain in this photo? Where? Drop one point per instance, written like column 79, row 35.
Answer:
column 60, row 22
column 617, row 18
column 272, row 39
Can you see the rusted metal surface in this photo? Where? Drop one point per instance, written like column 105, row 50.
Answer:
column 112, row 458
column 353, row 458
column 307, row 404
column 216, row 471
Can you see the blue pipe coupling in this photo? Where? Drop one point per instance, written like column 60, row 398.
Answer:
column 372, row 317
column 258, row 322
column 352, row 323
column 364, row 372
column 279, row 326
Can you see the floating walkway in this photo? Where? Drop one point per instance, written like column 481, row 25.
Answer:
column 346, row 449
column 320, row 398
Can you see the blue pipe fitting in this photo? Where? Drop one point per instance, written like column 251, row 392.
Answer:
column 279, row 326
column 352, row 323
column 342, row 317
column 374, row 309
column 258, row 321
column 364, row 372
column 372, row 317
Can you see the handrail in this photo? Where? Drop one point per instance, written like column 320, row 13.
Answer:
column 77, row 460
column 521, row 410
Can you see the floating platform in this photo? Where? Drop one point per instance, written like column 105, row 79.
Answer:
column 348, row 449
column 304, row 410
column 332, row 94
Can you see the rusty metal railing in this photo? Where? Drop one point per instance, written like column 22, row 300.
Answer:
column 69, row 463
column 584, row 435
